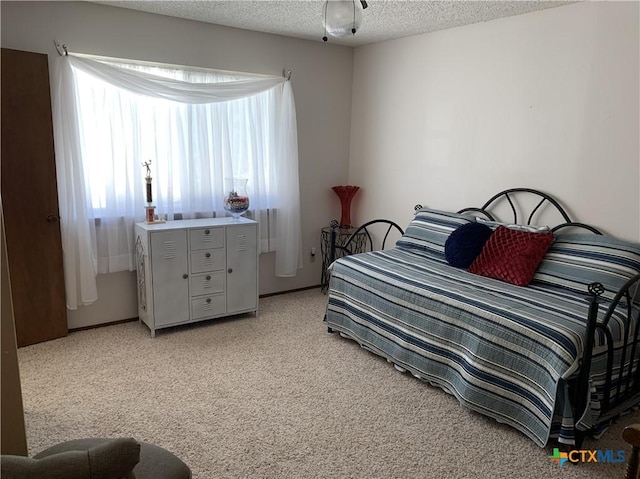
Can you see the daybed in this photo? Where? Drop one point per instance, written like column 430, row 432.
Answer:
column 556, row 357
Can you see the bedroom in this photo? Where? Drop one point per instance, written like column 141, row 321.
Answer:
column 456, row 117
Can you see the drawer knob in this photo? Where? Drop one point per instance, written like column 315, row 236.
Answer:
column 208, row 255
column 207, row 232
column 230, row 270
column 208, row 277
column 185, row 276
column 208, row 300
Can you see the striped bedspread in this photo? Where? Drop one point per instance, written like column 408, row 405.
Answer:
column 502, row 350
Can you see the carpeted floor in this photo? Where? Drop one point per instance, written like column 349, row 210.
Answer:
column 273, row 397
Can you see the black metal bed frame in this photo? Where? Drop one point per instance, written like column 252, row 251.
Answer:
column 627, row 380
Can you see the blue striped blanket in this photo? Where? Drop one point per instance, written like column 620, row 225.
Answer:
column 506, row 351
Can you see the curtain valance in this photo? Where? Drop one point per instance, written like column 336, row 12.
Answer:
column 169, row 89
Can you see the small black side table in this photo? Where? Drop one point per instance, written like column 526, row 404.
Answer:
column 358, row 245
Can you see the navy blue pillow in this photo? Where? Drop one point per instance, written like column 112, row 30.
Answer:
column 465, row 244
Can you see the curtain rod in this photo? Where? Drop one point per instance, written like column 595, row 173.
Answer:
column 62, row 49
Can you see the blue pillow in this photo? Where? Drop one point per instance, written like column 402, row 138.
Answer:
column 465, row 244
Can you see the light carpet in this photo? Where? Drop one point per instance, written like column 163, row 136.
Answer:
column 273, row 396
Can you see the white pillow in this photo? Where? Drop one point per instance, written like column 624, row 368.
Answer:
column 529, row 228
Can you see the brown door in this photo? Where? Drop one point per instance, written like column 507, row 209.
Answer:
column 30, row 199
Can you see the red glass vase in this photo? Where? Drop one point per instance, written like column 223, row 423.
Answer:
column 346, row 194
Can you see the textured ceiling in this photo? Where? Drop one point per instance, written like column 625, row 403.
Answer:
column 383, row 20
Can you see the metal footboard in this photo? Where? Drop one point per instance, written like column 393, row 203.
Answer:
column 366, row 228
column 622, row 380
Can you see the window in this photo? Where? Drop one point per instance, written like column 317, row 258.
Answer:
column 192, row 148
column 197, row 127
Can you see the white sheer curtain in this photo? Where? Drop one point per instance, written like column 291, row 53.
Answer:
column 197, row 127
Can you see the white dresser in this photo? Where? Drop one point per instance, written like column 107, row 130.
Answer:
column 193, row 270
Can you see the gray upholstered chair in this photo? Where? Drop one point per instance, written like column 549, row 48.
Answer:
column 122, row 458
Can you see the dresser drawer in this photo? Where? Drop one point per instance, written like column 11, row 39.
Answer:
column 208, row 306
column 207, row 260
column 206, row 283
column 206, row 238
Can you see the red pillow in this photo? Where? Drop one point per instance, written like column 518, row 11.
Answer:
column 512, row 255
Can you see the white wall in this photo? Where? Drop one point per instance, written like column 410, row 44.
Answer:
column 546, row 100
column 321, row 80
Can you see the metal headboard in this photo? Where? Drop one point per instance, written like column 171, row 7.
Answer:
column 508, row 195
column 543, row 200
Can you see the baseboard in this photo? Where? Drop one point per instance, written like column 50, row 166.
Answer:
column 101, row 325
column 297, row 290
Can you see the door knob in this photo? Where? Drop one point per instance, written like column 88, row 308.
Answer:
column 52, row 218
column 185, row 276
column 230, row 270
